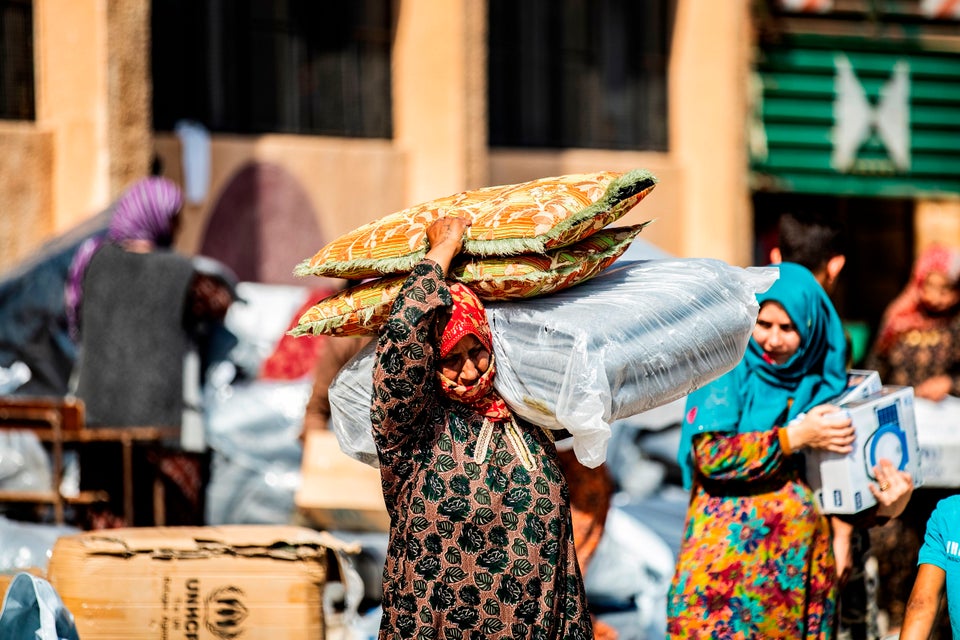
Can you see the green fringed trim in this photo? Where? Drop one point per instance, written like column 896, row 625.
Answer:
column 317, row 328
column 623, row 188
column 362, row 268
column 329, row 326
column 504, row 246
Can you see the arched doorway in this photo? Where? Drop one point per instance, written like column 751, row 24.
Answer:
column 262, row 225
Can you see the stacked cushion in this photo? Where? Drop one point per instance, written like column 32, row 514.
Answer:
column 362, row 309
column 530, row 217
column 531, row 275
column 525, row 240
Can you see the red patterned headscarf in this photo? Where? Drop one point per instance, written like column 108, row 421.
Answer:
column 906, row 312
column 468, row 317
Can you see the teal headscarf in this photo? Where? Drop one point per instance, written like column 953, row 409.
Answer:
column 756, row 394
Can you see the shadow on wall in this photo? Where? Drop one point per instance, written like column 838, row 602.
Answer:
column 262, row 225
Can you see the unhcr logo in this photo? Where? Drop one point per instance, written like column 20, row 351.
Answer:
column 225, row 612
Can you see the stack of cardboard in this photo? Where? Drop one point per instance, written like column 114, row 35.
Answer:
column 204, row 583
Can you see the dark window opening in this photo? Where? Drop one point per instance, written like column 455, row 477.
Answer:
column 579, row 73
column 264, row 66
column 16, row 60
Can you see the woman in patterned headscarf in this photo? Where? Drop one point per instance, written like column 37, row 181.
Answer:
column 144, row 218
column 143, row 308
column 919, row 336
column 918, row 345
column 481, row 541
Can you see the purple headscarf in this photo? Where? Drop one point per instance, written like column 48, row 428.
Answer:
column 144, row 212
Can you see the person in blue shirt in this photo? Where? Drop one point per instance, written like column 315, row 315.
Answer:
column 939, row 573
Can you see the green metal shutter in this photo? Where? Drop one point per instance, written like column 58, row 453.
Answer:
column 909, row 120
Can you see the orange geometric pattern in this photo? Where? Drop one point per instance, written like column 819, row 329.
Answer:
column 357, row 311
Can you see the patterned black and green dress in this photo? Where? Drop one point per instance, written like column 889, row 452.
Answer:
column 481, row 546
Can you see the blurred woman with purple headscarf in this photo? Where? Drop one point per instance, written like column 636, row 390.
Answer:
column 144, row 219
column 136, row 309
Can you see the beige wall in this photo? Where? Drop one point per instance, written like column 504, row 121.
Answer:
column 349, row 182
column 439, row 93
column 129, row 115
column 71, row 81
column 936, row 221
column 26, row 197
column 709, row 68
column 91, row 136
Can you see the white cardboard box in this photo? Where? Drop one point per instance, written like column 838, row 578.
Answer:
column 938, row 434
column 860, row 384
column 885, row 428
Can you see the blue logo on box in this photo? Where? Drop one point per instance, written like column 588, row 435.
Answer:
column 858, row 500
column 837, row 498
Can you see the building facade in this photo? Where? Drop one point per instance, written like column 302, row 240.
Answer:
column 291, row 122
column 91, row 132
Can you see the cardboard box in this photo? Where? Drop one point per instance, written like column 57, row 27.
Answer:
column 256, row 582
column 885, row 428
column 938, row 434
column 860, row 384
column 337, row 492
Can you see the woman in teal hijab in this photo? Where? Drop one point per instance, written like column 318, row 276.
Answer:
column 759, row 393
column 756, row 559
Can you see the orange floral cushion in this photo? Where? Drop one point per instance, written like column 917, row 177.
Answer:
column 532, row 275
column 357, row 311
column 362, row 310
column 530, row 217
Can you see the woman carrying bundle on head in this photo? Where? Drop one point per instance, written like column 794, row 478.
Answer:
column 481, row 538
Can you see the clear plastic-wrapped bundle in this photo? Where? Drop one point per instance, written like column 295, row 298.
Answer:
column 637, row 336
column 350, row 395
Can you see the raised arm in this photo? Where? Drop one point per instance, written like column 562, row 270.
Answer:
column 445, row 236
column 404, row 371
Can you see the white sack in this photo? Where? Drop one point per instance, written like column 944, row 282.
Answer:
column 639, row 335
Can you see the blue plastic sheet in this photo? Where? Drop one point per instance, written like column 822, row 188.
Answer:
column 32, row 610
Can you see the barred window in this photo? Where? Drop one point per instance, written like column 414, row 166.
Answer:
column 273, row 66
column 16, row 60
column 579, row 73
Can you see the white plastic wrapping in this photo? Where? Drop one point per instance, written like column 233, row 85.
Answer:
column 350, row 395
column 637, row 336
